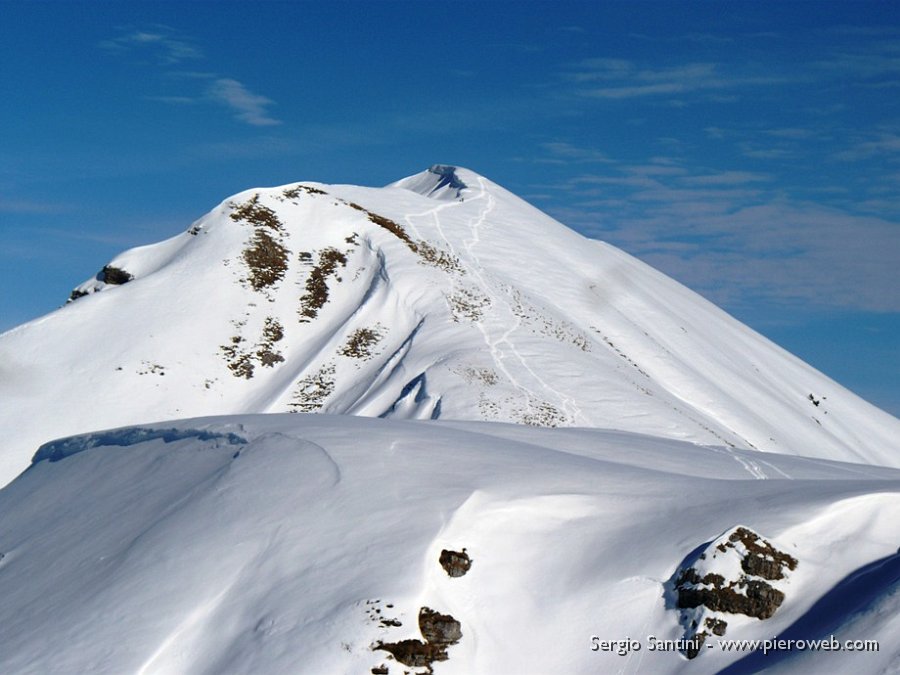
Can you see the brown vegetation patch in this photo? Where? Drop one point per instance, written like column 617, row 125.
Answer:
column 473, row 374
column 467, row 304
column 317, row 283
column 394, row 229
column 542, row 414
column 256, row 214
column 294, row 192
column 242, row 362
column 239, row 362
column 266, row 352
column 312, row 390
column 361, row 342
column 266, row 260
column 431, row 255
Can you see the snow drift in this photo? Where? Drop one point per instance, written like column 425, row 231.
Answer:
column 307, row 543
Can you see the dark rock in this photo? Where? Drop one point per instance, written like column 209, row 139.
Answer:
column 744, row 565
column 114, row 276
column 414, row 653
column 437, row 628
column 717, row 626
column 762, row 559
column 758, row 598
column 75, row 294
column 455, row 563
column 694, row 645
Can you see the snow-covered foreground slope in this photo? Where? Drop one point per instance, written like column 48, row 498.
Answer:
column 296, row 543
column 440, row 296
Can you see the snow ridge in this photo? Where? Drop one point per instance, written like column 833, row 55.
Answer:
column 304, row 543
column 67, row 447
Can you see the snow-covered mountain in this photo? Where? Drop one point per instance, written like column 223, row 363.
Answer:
column 339, row 545
column 711, row 488
column 441, row 296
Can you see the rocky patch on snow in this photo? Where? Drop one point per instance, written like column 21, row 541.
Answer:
column 114, row 276
column 729, row 576
column 455, row 563
column 439, row 631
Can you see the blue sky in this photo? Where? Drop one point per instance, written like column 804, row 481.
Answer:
column 749, row 150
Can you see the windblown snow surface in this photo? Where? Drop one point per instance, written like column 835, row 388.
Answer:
column 441, row 296
column 297, row 543
column 699, row 479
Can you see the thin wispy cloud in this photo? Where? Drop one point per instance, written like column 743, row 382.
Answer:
column 31, row 206
column 756, row 151
column 792, row 133
column 727, row 178
column 736, row 238
column 882, row 144
column 572, row 153
column 617, row 79
column 167, row 48
column 246, row 106
column 707, row 39
column 170, row 50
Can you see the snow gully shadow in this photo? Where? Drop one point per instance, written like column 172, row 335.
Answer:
column 857, row 593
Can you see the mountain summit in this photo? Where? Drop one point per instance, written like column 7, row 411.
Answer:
column 439, row 296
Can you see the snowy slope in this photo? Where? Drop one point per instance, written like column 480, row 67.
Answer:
column 295, row 543
column 440, row 296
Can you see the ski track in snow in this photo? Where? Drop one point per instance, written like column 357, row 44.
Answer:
column 748, row 465
column 572, row 410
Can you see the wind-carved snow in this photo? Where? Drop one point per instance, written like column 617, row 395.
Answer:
column 66, row 447
column 321, row 544
column 471, row 304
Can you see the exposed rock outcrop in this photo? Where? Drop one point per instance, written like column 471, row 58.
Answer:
column 730, row 575
column 455, row 563
column 439, row 630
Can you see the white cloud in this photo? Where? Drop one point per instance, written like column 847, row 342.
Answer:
column 623, row 79
column 168, row 49
column 568, row 152
column 883, row 144
column 727, row 178
column 247, row 106
column 738, row 240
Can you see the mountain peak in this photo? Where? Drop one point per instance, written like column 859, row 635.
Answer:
column 440, row 181
column 440, row 296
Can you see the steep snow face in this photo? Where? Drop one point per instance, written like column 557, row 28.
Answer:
column 440, row 296
column 299, row 543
